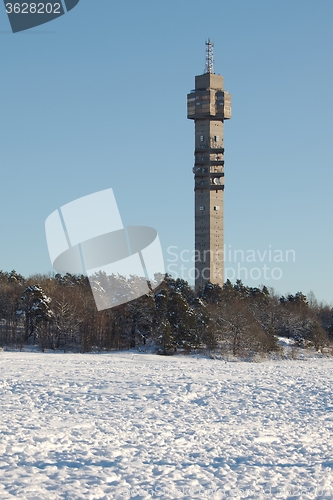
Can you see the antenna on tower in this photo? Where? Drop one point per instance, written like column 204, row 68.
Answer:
column 209, row 57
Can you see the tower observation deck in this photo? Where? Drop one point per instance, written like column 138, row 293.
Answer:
column 209, row 105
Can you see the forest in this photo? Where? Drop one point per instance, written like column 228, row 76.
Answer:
column 58, row 312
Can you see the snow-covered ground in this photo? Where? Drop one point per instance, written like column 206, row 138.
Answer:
column 117, row 426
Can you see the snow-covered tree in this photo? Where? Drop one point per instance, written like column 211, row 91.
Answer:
column 34, row 307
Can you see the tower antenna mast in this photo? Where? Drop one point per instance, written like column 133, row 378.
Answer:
column 209, row 57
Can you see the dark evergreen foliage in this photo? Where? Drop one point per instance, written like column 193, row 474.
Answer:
column 58, row 312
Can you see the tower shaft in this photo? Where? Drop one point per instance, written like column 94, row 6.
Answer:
column 209, row 105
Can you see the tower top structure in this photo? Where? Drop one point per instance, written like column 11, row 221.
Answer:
column 209, row 57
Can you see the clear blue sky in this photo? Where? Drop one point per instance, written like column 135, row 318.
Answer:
column 97, row 99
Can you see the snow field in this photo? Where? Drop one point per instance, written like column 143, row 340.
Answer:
column 122, row 425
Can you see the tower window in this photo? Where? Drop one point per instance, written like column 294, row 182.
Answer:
column 201, row 138
column 201, row 208
column 217, row 138
column 217, row 208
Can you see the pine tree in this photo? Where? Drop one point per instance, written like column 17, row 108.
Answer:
column 35, row 309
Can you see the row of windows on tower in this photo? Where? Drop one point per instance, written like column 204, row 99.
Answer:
column 216, row 138
column 210, row 158
column 215, row 208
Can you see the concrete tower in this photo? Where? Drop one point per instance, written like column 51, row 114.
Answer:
column 209, row 105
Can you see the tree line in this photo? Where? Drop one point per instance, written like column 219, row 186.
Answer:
column 58, row 312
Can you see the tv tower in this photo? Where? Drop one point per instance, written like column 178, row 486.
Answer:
column 209, row 105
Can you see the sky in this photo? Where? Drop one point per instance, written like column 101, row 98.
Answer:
column 97, row 99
